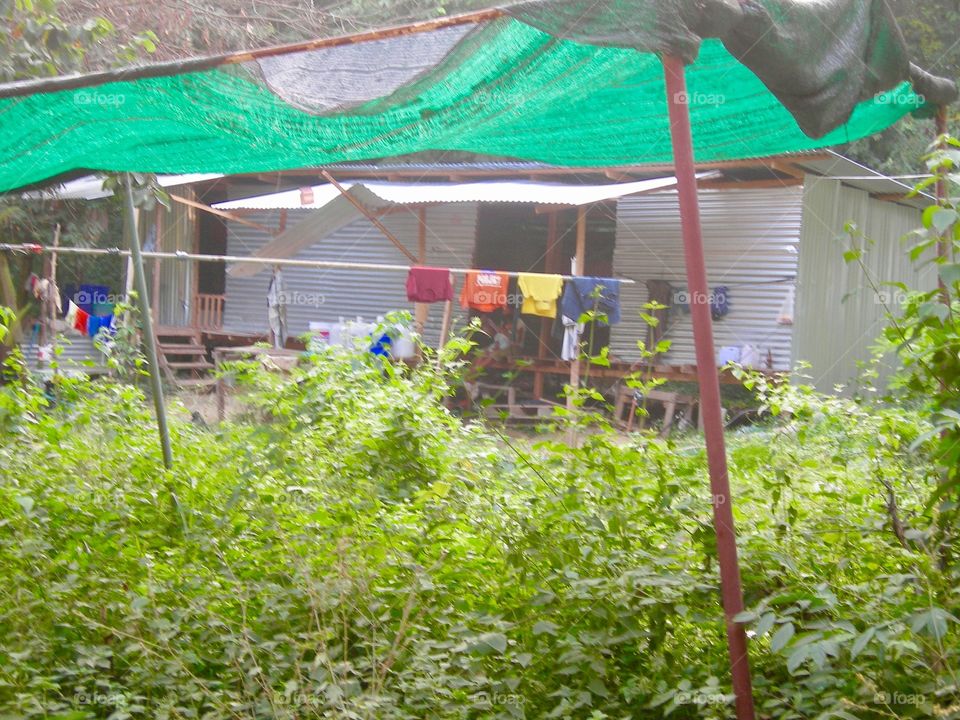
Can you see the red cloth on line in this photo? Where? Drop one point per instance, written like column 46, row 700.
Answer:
column 429, row 284
column 81, row 321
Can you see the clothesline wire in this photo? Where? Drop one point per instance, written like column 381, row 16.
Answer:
column 775, row 281
column 286, row 262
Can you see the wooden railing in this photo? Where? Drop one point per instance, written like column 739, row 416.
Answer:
column 208, row 312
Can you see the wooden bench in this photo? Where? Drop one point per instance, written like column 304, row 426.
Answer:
column 671, row 402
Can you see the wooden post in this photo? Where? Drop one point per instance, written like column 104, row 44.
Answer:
column 445, row 324
column 370, row 216
column 708, row 380
column 579, row 261
column 543, row 338
column 155, row 299
column 48, row 309
column 421, row 311
column 51, row 308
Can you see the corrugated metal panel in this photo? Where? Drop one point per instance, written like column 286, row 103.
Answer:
column 750, row 239
column 179, row 230
column 860, row 176
column 838, row 318
column 308, row 229
column 326, row 294
column 75, row 352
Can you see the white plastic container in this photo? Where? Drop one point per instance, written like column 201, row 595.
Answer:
column 728, row 354
column 319, row 335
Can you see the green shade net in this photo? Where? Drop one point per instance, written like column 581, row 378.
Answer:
column 506, row 89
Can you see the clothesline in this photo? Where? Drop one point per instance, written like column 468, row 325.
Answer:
column 752, row 283
column 285, row 262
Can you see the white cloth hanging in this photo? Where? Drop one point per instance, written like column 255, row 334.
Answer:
column 277, row 309
column 570, row 350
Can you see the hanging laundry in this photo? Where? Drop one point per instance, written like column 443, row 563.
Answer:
column 31, row 284
column 381, row 347
column 71, row 316
column 540, row 293
column 720, row 302
column 485, row 291
column 277, row 309
column 81, row 321
column 570, row 349
column 429, row 285
column 96, row 323
column 583, row 294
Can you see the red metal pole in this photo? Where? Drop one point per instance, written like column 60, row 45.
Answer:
column 709, row 382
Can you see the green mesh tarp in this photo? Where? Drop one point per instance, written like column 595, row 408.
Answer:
column 505, row 88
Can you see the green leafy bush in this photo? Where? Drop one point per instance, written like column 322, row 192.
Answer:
column 350, row 549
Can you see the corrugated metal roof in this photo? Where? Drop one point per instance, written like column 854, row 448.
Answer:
column 286, row 200
column 378, row 193
column 861, row 177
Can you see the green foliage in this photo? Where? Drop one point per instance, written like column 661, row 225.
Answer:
column 925, row 335
column 930, row 31
column 348, row 548
column 37, row 42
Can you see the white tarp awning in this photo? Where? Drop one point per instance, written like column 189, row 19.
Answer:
column 90, row 187
column 396, row 193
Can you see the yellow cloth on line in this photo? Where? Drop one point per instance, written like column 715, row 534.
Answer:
column 540, row 293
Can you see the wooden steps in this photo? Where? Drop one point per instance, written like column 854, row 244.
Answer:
column 183, row 356
column 198, row 365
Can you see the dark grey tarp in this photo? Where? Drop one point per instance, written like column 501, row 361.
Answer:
column 819, row 57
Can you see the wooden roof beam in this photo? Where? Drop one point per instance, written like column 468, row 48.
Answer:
column 219, row 213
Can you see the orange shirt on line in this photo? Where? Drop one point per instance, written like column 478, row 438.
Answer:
column 485, row 291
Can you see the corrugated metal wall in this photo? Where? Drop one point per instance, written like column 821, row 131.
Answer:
column 838, row 317
column 750, row 239
column 326, row 295
column 75, row 352
column 179, row 231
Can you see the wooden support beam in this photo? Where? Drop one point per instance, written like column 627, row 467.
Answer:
column 617, row 175
column 786, row 168
column 445, row 323
column 219, row 213
column 370, row 216
column 421, row 311
column 550, row 255
column 467, row 174
column 158, row 246
column 580, row 261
